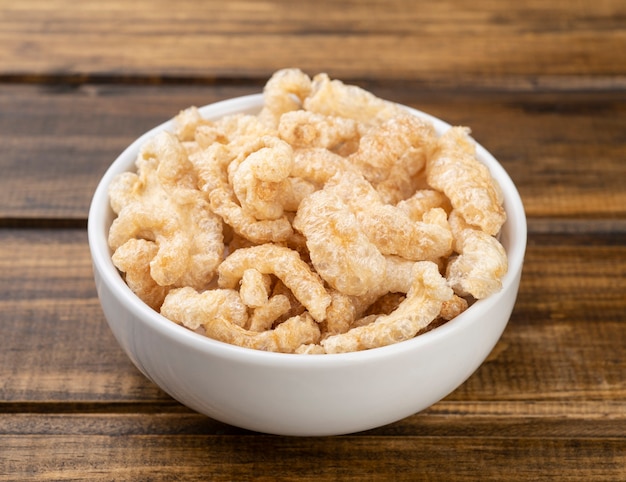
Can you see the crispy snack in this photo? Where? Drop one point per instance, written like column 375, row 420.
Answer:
column 317, row 165
column 254, row 288
column 384, row 305
column 478, row 269
column 296, row 308
column 333, row 97
column 453, row 307
column 192, row 309
column 302, row 128
column 397, row 279
column 222, row 315
column 260, row 180
column 389, row 228
column 340, row 315
column 339, row 250
column 223, row 203
column 329, row 219
column 263, row 317
column 296, row 189
column 175, row 173
column 223, row 144
column 454, row 170
column 481, row 262
column 286, row 265
column 211, row 166
column 422, row 201
column 397, row 148
column 422, row 305
column 241, row 130
column 285, row 91
column 285, row 338
column 149, row 206
column 133, row 259
column 393, row 233
column 188, row 121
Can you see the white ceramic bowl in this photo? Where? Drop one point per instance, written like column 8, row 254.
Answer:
column 302, row 394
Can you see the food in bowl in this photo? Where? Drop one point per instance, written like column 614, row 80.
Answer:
column 331, row 221
column 293, row 394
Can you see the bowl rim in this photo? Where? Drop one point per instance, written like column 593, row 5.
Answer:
column 97, row 229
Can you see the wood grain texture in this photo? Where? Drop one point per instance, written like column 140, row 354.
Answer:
column 478, row 44
column 541, row 83
column 565, row 152
column 258, row 457
column 58, row 141
column 60, row 348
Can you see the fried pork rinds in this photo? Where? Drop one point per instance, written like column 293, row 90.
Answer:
column 398, row 275
column 188, row 234
column 287, row 337
column 301, row 129
column 225, row 142
column 401, row 141
column 393, row 233
column 269, row 158
column 263, row 317
column 389, row 228
column 340, row 315
column 296, row 308
column 427, row 293
column 392, row 156
column 187, row 122
column 296, row 189
column 481, row 262
column 133, row 259
column 241, row 130
column 480, row 266
column 329, row 219
column 211, row 167
column 398, row 185
column 222, row 142
column 285, row 91
column 423, row 201
column 222, row 315
column 397, row 279
column 317, row 165
column 122, row 191
column 333, row 97
column 453, row 307
column 222, row 202
column 284, row 263
column 454, row 170
column 339, row 251
column 255, row 287
column 260, row 180
column 194, row 309
column 310, row 349
column 175, row 172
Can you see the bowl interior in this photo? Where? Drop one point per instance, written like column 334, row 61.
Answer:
column 513, row 238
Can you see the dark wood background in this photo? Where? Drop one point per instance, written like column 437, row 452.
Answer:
column 541, row 83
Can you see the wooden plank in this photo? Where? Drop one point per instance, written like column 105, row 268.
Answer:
column 58, row 141
column 570, row 293
column 543, row 86
column 448, row 418
column 477, row 44
column 59, row 348
column 52, row 322
column 565, row 151
column 266, row 458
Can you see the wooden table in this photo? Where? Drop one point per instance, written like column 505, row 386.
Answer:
column 541, row 83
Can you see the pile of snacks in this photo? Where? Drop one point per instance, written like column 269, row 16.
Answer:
column 332, row 221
